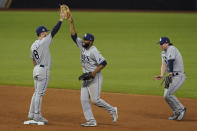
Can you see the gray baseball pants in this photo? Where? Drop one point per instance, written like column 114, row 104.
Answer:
column 41, row 80
column 91, row 90
column 172, row 100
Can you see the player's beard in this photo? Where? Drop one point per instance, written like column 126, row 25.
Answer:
column 86, row 45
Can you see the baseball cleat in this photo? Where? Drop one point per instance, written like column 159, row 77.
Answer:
column 29, row 122
column 89, row 123
column 174, row 116
column 41, row 119
column 182, row 113
column 32, row 122
column 115, row 115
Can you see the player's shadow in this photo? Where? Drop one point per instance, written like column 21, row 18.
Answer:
column 155, row 116
column 107, row 124
column 188, row 120
column 165, row 117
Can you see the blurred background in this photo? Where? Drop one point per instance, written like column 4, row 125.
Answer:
column 104, row 4
column 126, row 32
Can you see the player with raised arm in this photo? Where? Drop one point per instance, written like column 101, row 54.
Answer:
column 40, row 55
column 92, row 63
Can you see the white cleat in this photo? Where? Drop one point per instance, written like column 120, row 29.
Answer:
column 89, row 123
column 28, row 122
column 174, row 116
column 41, row 120
column 32, row 122
column 115, row 115
column 182, row 113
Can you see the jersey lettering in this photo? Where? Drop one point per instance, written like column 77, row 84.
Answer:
column 85, row 58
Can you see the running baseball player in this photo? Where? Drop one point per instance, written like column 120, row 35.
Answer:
column 40, row 54
column 92, row 63
column 173, row 63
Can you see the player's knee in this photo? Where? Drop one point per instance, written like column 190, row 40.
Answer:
column 167, row 96
column 40, row 93
column 95, row 101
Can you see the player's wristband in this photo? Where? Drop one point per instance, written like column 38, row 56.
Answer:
column 104, row 63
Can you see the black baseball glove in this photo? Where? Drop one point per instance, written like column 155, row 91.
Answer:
column 167, row 80
column 86, row 76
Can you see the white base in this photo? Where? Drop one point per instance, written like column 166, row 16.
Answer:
column 32, row 122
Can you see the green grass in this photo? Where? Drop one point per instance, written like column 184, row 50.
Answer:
column 127, row 40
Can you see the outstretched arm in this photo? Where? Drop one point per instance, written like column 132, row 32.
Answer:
column 72, row 28
column 58, row 25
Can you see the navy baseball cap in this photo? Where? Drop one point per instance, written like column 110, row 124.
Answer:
column 88, row 36
column 41, row 29
column 163, row 40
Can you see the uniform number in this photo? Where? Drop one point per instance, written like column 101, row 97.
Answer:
column 36, row 54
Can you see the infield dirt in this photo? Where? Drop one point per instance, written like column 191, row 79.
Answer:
column 63, row 110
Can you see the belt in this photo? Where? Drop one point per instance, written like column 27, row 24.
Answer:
column 41, row 65
column 176, row 73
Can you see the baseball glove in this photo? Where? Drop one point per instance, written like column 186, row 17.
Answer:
column 167, row 80
column 86, row 76
column 65, row 10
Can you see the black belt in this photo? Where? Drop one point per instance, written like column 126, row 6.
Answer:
column 41, row 65
column 175, row 74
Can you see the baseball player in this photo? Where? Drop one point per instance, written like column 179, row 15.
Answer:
column 41, row 58
column 92, row 63
column 173, row 63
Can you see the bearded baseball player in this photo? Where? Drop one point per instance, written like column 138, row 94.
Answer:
column 41, row 58
column 172, row 62
column 92, row 63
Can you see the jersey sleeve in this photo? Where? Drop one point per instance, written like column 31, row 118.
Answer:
column 56, row 28
column 47, row 40
column 162, row 57
column 31, row 55
column 97, row 56
column 31, row 52
column 171, row 53
column 78, row 41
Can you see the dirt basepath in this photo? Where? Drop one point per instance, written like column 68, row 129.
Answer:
column 63, row 110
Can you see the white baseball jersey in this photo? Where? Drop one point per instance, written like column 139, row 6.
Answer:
column 173, row 53
column 91, row 58
column 40, row 51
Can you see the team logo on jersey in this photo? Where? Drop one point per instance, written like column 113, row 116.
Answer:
column 85, row 58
